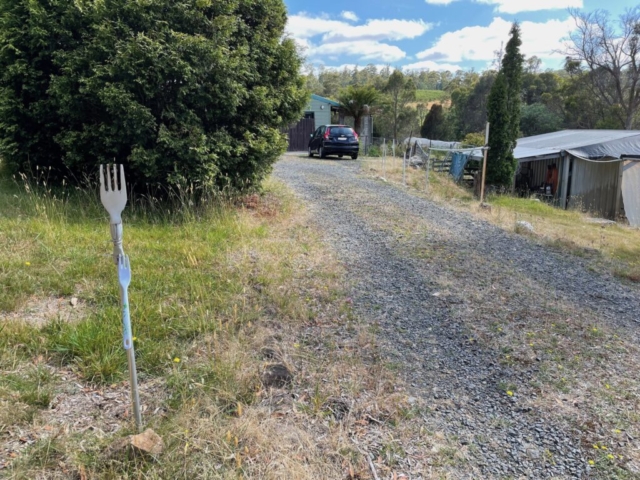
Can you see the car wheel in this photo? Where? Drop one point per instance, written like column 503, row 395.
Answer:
column 339, row 156
column 354, row 156
column 321, row 152
column 310, row 152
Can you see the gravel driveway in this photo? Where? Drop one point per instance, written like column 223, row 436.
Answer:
column 450, row 294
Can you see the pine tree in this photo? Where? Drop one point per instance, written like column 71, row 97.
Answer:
column 504, row 113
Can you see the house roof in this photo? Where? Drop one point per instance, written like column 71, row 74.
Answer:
column 591, row 144
column 333, row 103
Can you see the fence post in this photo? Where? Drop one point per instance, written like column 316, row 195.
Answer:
column 404, row 169
column 484, row 164
column 384, row 158
column 426, row 188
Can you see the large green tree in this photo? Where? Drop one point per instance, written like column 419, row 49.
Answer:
column 177, row 90
column 504, row 113
column 610, row 51
column 401, row 90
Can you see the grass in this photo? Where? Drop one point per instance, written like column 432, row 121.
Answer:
column 614, row 247
column 431, row 95
column 215, row 284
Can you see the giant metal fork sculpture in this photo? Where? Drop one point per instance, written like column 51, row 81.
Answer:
column 113, row 194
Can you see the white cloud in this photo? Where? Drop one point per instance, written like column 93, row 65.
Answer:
column 351, row 16
column 320, row 36
column 479, row 43
column 304, row 26
column 351, row 66
column 517, row 6
column 364, row 49
column 431, row 65
column 380, row 30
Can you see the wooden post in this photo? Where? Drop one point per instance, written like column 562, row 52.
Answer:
column 484, row 164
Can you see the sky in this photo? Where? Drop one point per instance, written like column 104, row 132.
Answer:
column 432, row 34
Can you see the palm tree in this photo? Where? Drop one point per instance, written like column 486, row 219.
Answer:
column 355, row 102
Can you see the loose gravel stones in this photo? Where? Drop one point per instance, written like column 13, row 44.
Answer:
column 422, row 327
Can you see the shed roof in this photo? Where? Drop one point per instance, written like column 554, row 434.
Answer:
column 591, row 144
column 333, row 103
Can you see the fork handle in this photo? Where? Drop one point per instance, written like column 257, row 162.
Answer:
column 116, row 236
column 127, row 337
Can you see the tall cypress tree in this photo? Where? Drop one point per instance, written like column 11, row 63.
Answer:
column 504, row 113
column 499, row 161
column 512, row 65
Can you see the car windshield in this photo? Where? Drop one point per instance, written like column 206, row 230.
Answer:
column 341, row 131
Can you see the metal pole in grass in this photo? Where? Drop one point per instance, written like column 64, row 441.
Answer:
column 404, row 169
column 484, row 164
column 113, row 195
column 384, row 158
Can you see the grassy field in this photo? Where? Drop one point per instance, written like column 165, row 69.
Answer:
column 431, row 96
column 614, row 247
column 222, row 290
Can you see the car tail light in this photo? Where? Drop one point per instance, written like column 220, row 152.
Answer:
column 355, row 134
column 326, row 134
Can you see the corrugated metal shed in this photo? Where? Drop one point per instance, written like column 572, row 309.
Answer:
column 595, row 187
column 631, row 191
column 591, row 177
column 592, row 144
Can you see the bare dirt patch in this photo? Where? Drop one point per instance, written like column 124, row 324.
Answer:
column 39, row 311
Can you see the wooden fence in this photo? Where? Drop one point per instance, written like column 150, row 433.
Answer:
column 299, row 134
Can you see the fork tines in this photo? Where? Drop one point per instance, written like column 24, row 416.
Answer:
column 112, row 184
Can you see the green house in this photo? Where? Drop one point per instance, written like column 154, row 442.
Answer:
column 320, row 108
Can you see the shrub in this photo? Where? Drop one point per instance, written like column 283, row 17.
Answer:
column 177, row 90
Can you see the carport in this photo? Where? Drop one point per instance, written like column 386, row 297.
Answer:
column 590, row 163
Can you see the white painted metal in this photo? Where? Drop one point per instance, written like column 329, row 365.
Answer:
column 113, row 194
column 631, row 191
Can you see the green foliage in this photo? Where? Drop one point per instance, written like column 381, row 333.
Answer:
column 512, row 65
column 434, row 123
column 537, row 119
column 504, row 113
column 469, row 103
column 356, row 102
column 179, row 91
column 401, row 90
column 431, row 95
column 474, row 139
column 500, row 162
